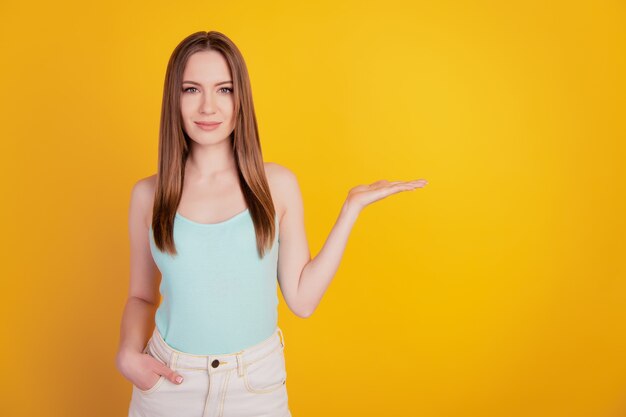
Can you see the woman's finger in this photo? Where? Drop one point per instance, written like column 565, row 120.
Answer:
column 170, row 374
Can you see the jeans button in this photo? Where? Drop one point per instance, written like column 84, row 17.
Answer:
column 215, row 363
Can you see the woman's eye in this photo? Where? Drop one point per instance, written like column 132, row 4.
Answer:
column 230, row 90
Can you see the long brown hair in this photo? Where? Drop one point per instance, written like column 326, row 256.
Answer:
column 174, row 146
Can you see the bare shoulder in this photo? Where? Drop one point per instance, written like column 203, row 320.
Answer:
column 283, row 185
column 142, row 198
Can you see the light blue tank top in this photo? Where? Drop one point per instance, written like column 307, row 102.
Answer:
column 218, row 295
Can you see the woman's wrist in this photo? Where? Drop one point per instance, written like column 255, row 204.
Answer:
column 351, row 209
column 122, row 357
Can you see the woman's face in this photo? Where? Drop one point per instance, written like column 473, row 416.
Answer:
column 207, row 96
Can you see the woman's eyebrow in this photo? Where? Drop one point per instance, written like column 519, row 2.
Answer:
column 220, row 83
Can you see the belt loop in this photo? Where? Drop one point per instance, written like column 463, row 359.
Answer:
column 173, row 361
column 282, row 337
column 239, row 364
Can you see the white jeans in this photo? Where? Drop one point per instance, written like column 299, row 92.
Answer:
column 248, row 383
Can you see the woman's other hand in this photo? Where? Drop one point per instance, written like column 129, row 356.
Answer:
column 144, row 371
column 363, row 195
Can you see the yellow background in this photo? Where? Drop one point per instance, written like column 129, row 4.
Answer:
column 498, row 290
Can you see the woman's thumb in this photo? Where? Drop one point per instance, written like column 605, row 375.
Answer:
column 172, row 375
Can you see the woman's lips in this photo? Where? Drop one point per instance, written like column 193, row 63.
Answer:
column 207, row 126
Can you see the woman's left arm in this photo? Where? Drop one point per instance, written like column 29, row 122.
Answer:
column 304, row 281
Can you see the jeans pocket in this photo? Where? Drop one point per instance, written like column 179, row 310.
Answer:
column 266, row 374
column 153, row 388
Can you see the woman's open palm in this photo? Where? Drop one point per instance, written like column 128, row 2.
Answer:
column 363, row 195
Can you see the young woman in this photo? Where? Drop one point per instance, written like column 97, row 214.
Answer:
column 213, row 231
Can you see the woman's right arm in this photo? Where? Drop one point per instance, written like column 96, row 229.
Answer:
column 143, row 296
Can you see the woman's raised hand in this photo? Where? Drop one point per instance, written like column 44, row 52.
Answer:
column 363, row 195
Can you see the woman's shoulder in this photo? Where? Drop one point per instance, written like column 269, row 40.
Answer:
column 143, row 196
column 145, row 187
column 277, row 175
column 277, row 172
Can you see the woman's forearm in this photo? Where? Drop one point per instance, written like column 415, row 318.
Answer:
column 319, row 271
column 136, row 327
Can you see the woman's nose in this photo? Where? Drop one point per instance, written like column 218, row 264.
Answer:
column 207, row 104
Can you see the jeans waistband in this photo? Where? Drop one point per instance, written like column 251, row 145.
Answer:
column 176, row 359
